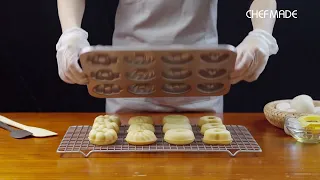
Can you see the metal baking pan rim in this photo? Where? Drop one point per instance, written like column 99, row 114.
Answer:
column 205, row 47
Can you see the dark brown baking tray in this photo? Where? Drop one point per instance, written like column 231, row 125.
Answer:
column 158, row 71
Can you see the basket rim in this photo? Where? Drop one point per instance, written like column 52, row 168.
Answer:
column 272, row 105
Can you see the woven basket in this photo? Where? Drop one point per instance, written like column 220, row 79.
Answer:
column 277, row 117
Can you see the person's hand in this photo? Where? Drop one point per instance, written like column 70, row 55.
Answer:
column 68, row 48
column 252, row 56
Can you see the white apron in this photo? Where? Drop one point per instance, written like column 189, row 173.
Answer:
column 160, row 22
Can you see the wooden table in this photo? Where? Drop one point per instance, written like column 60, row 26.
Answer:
column 36, row 158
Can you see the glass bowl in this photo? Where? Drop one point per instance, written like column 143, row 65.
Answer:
column 305, row 129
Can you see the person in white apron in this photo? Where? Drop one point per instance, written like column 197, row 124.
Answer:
column 164, row 22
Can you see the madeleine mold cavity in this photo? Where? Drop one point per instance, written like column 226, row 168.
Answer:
column 102, row 59
column 214, row 57
column 141, row 75
column 158, row 71
column 176, row 88
column 177, row 74
column 142, row 88
column 107, row 89
column 212, row 73
column 177, row 58
column 105, row 75
column 210, row 87
column 139, row 59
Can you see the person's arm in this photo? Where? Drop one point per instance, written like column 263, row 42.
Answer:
column 267, row 22
column 254, row 51
column 71, row 41
column 70, row 13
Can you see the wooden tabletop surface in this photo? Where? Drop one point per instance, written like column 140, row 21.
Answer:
column 36, row 158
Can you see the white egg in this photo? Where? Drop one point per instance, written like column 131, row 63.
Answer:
column 303, row 104
column 291, row 110
column 283, row 106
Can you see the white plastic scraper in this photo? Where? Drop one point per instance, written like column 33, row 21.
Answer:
column 36, row 132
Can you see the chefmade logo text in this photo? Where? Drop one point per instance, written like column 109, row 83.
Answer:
column 286, row 14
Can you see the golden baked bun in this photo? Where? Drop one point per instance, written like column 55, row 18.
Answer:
column 140, row 119
column 108, row 118
column 209, row 119
column 113, row 118
column 101, row 125
column 112, row 125
column 168, row 126
column 217, row 136
column 211, row 126
column 141, row 137
column 175, row 119
column 99, row 119
column 179, row 136
column 102, row 136
column 141, row 126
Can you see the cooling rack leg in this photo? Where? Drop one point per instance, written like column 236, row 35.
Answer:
column 233, row 154
column 86, row 155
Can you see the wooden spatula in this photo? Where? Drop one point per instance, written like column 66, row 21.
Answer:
column 36, row 132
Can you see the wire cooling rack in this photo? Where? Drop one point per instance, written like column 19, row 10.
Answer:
column 76, row 141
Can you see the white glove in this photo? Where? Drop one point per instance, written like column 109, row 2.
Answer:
column 252, row 55
column 68, row 48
